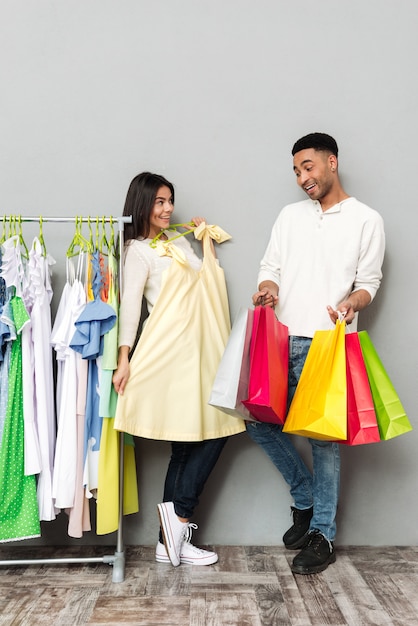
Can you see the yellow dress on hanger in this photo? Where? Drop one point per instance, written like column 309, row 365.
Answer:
column 109, row 459
column 175, row 361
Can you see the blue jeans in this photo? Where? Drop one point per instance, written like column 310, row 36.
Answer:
column 189, row 468
column 320, row 489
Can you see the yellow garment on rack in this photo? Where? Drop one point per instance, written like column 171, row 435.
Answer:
column 176, row 359
column 89, row 281
column 109, row 457
column 108, row 497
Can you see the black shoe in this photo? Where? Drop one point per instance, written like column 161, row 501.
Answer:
column 297, row 535
column 315, row 556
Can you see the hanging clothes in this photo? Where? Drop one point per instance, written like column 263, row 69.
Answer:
column 72, row 384
column 108, row 361
column 19, row 513
column 42, row 457
column 109, row 457
column 79, row 514
column 96, row 319
column 175, row 362
column 43, row 396
column 7, row 333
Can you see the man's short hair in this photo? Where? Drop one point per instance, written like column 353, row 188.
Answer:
column 317, row 141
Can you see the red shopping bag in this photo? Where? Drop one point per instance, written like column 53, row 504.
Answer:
column 269, row 362
column 361, row 416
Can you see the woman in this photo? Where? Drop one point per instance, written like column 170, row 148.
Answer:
column 163, row 389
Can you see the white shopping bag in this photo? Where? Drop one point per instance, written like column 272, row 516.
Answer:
column 230, row 386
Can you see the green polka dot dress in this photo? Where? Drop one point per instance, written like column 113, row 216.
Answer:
column 19, row 513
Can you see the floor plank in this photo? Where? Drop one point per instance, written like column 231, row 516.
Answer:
column 354, row 597
column 248, row 586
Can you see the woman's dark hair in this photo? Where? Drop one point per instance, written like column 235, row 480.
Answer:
column 139, row 202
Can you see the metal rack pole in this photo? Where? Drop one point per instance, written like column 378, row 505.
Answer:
column 119, row 563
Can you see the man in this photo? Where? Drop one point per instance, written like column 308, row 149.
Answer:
column 324, row 257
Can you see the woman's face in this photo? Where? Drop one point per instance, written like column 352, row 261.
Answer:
column 161, row 211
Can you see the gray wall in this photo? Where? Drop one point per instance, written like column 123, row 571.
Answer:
column 213, row 94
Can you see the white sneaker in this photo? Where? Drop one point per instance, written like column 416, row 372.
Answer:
column 190, row 554
column 173, row 531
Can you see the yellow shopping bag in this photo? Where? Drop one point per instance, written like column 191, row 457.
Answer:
column 319, row 406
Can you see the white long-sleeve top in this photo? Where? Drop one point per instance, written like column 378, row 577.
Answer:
column 319, row 258
column 142, row 276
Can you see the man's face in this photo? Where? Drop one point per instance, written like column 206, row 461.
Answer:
column 314, row 171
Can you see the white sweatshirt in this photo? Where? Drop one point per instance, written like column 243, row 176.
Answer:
column 319, row 258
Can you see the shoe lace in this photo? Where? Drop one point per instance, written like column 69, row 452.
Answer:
column 316, row 538
column 189, row 532
column 188, row 538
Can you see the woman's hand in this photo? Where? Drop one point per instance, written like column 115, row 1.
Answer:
column 198, row 220
column 122, row 373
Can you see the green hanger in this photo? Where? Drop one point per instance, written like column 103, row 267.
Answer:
column 173, row 227
column 3, row 232
column 79, row 241
column 104, row 244
column 111, row 244
column 41, row 236
column 25, row 252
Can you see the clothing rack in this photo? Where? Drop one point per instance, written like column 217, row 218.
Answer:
column 117, row 560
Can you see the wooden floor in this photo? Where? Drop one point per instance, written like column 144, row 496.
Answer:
column 249, row 586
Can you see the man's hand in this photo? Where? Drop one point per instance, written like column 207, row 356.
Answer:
column 357, row 301
column 268, row 294
column 346, row 310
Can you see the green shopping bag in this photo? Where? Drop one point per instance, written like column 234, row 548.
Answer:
column 391, row 417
